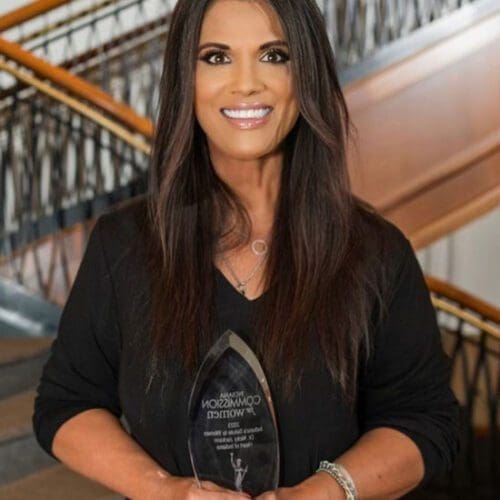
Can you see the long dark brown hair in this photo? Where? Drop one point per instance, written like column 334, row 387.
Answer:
column 320, row 290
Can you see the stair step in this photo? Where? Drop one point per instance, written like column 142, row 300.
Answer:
column 15, row 415
column 21, row 363
column 16, row 349
column 55, row 483
column 20, row 454
column 25, row 313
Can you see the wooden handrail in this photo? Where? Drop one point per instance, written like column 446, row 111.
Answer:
column 466, row 316
column 104, row 122
column 78, row 87
column 27, row 12
column 117, row 41
column 487, row 311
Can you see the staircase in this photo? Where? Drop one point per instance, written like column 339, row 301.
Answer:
column 428, row 122
column 24, row 467
column 43, row 236
column 84, row 104
column 27, row 328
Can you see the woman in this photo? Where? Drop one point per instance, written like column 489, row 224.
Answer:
column 250, row 225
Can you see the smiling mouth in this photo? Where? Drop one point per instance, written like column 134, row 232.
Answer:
column 248, row 118
column 246, row 114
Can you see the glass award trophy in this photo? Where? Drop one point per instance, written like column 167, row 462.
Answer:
column 233, row 437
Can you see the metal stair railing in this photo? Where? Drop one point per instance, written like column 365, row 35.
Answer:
column 58, row 30
column 358, row 28
column 62, row 161
column 471, row 337
column 115, row 44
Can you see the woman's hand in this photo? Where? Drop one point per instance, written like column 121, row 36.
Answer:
column 186, row 488
column 319, row 486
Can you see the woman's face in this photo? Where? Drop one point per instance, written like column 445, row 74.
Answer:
column 244, row 96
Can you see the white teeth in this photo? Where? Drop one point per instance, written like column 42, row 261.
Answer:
column 247, row 113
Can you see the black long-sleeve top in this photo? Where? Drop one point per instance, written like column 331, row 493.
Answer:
column 98, row 360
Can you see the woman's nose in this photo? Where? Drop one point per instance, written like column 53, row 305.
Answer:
column 246, row 77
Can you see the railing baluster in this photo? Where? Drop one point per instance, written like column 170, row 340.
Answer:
column 475, row 358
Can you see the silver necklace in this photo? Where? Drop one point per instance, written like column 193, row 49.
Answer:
column 259, row 248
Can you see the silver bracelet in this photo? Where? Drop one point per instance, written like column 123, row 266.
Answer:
column 341, row 476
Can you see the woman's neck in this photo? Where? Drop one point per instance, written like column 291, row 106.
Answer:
column 257, row 184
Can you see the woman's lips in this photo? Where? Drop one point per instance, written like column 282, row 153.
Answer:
column 247, row 123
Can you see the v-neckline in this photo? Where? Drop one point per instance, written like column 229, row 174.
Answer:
column 234, row 291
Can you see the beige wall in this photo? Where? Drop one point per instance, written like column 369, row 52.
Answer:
column 469, row 258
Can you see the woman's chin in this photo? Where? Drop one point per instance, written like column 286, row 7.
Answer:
column 245, row 152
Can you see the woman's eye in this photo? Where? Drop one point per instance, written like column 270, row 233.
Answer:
column 213, row 57
column 278, row 56
column 217, row 57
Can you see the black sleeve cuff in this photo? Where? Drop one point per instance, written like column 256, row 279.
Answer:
column 46, row 426
column 434, row 463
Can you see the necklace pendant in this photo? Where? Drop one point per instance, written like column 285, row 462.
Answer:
column 259, row 247
column 242, row 289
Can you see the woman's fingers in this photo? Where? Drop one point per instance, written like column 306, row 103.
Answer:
column 221, row 493
column 188, row 488
column 269, row 495
column 209, row 486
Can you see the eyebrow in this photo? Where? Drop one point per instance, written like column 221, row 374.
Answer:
column 264, row 46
